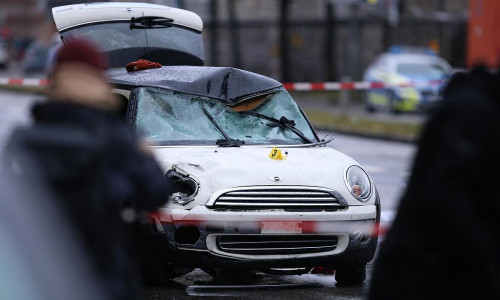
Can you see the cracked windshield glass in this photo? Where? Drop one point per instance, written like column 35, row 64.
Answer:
column 173, row 118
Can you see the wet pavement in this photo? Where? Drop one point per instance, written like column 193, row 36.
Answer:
column 200, row 285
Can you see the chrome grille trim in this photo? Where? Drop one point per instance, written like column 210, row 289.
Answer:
column 274, row 204
column 277, row 198
column 276, row 244
column 300, row 198
column 284, row 193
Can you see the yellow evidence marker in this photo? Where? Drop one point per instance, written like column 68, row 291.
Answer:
column 276, row 154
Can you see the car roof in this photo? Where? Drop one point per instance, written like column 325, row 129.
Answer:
column 415, row 58
column 68, row 16
column 226, row 84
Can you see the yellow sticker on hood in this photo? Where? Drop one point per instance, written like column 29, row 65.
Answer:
column 276, row 154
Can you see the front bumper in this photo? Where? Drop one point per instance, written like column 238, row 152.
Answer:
column 269, row 239
column 206, row 260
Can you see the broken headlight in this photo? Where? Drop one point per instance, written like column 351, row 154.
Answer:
column 185, row 186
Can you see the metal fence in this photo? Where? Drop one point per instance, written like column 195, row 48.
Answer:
column 327, row 48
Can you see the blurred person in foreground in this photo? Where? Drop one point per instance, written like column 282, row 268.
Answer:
column 42, row 257
column 445, row 240
column 94, row 164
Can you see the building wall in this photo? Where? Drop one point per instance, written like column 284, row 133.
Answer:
column 21, row 17
column 484, row 40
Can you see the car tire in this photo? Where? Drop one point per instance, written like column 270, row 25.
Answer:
column 392, row 103
column 235, row 276
column 355, row 274
column 162, row 272
column 369, row 107
column 154, row 274
column 156, row 265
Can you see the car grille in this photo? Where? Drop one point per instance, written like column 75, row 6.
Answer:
column 282, row 198
column 276, row 244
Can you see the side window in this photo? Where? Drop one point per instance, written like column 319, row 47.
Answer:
column 123, row 97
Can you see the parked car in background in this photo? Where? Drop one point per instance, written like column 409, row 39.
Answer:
column 52, row 48
column 256, row 188
column 4, row 54
column 413, row 77
column 35, row 58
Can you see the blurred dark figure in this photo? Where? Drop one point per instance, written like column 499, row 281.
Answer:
column 445, row 240
column 42, row 257
column 93, row 163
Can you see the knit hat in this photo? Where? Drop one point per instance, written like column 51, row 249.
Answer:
column 81, row 51
column 79, row 76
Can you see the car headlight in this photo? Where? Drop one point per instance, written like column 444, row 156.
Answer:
column 358, row 183
column 185, row 186
column 407, row 93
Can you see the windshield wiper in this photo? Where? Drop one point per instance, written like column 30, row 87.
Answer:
column 227, row 141
column 282, row 123
column 150, row 22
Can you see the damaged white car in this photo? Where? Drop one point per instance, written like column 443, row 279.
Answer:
column 257, row 188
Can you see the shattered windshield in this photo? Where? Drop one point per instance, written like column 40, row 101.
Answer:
column 171, row 118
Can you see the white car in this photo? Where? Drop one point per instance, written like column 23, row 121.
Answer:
column 256, row 187
column 4, row 55
column 414, row 78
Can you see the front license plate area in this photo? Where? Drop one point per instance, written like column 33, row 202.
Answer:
column 280, row 227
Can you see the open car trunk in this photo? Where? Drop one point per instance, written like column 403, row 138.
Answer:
column 127, row 32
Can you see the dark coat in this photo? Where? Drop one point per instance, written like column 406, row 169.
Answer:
column 445, row 240
column 92, row 163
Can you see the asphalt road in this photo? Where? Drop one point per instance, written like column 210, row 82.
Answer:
column 388, row 163
column 198, row 285
column 14, row 110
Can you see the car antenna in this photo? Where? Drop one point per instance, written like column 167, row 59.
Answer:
column 146, row 52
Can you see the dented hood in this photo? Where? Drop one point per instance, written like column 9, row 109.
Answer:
column 221, row 168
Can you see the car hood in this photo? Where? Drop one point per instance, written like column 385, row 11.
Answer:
column 221, row 168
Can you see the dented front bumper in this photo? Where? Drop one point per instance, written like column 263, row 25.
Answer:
column 202, row 237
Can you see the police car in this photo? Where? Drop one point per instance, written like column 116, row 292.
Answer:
column 413, row 80
column 256, row 187
column 3, row 54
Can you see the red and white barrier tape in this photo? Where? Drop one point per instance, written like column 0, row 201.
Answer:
column 290, row 86
column 33, row 82
column 284, row 225
column 355, row 85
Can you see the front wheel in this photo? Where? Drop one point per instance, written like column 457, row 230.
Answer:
column 355, row 274
column 369, row 107
column 156, row 265
column 392, row 103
